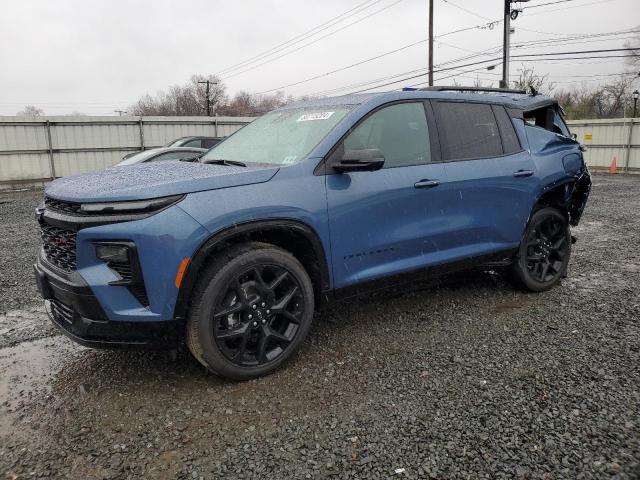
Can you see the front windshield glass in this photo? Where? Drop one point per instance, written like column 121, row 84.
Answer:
column 279, row 138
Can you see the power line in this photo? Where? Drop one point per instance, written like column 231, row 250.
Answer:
column 545, row 4
column 479, row 54
column 489, row 61
column 345, row 67
column 449, row 2
column 575, row 52
column 404, row 47
column 313, row 41
column 360, row 7
column 567, row 8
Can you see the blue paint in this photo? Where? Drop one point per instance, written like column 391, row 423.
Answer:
column 371, row 224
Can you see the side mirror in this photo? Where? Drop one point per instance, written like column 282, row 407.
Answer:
column 364, row 160
column 574, row 136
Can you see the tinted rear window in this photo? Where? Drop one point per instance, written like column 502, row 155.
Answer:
column 510, row 142
column 467, row 130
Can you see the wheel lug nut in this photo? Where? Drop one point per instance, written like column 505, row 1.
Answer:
column 263, row 304
column 250, row 317
column 264, row 321
column 268, row 312
column 254, row 306
column 255, row 324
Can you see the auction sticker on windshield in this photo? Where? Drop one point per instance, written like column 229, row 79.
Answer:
column 314, row 116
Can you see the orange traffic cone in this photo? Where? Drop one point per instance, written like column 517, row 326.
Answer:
column 614, row 166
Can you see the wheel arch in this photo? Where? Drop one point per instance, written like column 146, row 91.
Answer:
column 294, row 236
column 568, row 195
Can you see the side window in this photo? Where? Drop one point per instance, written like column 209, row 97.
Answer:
column 510, row 142
column 209, row 142
column 467, row 130
column 399, row 131
column 193, row 143
column 559, row 125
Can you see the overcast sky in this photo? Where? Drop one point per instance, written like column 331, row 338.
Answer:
column 95, row 56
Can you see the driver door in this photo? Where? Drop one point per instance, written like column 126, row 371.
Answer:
column 380, row 220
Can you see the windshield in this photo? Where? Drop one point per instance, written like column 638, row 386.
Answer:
column 280, row 137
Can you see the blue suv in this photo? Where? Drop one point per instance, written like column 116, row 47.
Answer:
column 312, row 202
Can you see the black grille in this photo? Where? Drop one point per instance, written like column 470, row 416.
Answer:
column 122, row 269
column 136, row 287
column 59, row 246
column 60, row 312
column 62, row 206
column 140, row 293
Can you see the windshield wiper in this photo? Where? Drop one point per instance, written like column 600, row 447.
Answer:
column 229, row 163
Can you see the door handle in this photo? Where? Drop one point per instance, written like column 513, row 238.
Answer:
column 426, row 184
column 523, row 173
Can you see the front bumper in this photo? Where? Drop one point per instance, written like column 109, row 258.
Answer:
column 75, row 310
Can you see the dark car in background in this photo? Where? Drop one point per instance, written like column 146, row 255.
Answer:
column 161, row 154
column 199, row 142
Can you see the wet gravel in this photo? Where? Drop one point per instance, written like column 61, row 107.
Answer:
column 468, row 379
column 19, row 244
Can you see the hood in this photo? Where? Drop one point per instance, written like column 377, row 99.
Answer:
column 152, row 180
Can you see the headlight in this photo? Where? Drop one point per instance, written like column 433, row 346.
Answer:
column 134, row 206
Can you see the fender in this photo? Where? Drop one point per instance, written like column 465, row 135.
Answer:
column 574, row 198
column 259, row 227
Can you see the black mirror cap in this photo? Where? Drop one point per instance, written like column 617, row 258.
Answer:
column 363, row 160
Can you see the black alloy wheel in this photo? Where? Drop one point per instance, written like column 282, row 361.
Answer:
column 259, row 315
column 252, row 308
column 544, row 252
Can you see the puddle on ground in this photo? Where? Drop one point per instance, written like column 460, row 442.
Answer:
column 26, row 371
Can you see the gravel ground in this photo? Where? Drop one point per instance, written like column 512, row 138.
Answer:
column 19, row 244
column 467, row 379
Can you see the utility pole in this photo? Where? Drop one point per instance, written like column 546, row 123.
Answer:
column 506, row 39
column 208, row 83
column 120, row 112
column 431, row 43
column 504, row 83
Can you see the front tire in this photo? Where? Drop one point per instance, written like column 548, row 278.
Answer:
column 252, row 308
column 544, row 252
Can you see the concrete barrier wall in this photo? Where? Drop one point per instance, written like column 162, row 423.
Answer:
column 605, row 140
column 35, row 149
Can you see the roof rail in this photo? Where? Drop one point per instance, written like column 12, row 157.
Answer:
column 455, row 88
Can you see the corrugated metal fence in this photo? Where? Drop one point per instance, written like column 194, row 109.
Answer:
column 36, row 149
column 605, row 140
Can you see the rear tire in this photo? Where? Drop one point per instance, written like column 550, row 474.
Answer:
column 544, row 252
column 252, row 307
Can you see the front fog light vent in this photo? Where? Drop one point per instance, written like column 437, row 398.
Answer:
column 113, row 253
column 122, row 259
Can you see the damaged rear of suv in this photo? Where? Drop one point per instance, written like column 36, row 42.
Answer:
column 313, row 202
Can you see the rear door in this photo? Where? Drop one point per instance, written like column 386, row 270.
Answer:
column 380, row 221
column 490, row 180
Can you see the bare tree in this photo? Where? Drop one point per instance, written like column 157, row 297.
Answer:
column 633, row 56
column 612, row 100
column 31, row 111
column 183, row 100
column 529, row 80
column 246, row 104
